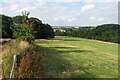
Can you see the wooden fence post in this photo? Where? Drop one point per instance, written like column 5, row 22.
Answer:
column 12, row 70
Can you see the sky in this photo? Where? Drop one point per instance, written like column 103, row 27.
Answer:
column 65, row 12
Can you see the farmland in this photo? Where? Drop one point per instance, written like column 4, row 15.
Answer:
column 68, row 57
column 59, row 39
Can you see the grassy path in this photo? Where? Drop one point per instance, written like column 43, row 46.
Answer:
column 79, row 58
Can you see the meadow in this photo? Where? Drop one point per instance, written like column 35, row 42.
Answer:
column 71, row 57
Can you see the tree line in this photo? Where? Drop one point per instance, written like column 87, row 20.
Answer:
column 105, row 32
column 24, row 28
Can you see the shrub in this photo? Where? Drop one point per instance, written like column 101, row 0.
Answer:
column 25, row 66
column 30, row 65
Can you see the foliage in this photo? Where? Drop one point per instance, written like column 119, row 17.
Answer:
column 17, row 19
column 7, row 25
column 106, row 32
column 43, row 31
column 8, row 50
column 25, row 66
column 29, row 65
column 28, row 60
column 40, row 29
column 60, row 33
column 23, row 31
column 33, row 27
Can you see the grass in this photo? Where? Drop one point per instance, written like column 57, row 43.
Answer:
column 8, row 50
column 27, row 60
column 78, row 58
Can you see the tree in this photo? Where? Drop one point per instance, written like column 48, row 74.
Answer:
column 23, row 31
column 36, row 23
column 40, row 30
column 7, row 25
column 45, row 31
column 17, row 19
column 106, row 32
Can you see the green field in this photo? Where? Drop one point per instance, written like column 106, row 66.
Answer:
column 78, row 58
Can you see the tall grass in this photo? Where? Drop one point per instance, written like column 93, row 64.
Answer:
column 28, row 65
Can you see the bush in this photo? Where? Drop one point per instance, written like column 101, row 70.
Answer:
column 30, row 65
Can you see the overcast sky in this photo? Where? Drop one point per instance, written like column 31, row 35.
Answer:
column 65, row 12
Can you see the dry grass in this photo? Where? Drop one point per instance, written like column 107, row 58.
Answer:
column 8, row 50
column 22, row 49
column 5, row 39
column 104, row 42
column 13, row 46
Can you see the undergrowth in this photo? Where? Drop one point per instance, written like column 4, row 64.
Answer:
column 28, row 60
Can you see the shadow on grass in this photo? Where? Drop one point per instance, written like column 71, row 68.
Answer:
column 67, row 39
column 57, row 66
column 71, row 40
column 70, row 50
column 64, row 47
column 78, row 51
